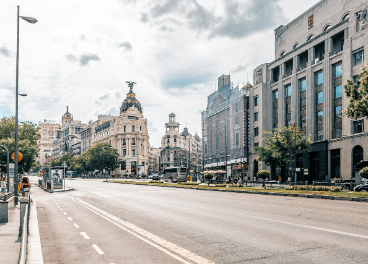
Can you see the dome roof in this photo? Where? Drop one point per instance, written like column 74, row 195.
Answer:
column 130, row 101
column 196, row 137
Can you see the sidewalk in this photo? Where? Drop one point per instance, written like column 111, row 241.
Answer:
column 10, row 242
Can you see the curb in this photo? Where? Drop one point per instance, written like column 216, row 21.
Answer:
column 62, row 190
column 326, row 197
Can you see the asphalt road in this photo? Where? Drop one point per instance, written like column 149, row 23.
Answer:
column 103, row 222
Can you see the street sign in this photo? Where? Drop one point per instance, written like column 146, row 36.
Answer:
column 20, row 156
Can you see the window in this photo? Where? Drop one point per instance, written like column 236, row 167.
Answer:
column 303, row 84
column 319, row 78
column 338, row 91
column 237, row 120
column 303, row 103
column 356, row 79
column 237, row 138
column 140, row 128
column 256, row 131
column 358, row 57
column 237, row 107
column 133, row 141
column 288, row 90
column 338, row 70
column 124, row 152
column 256, row 101
column 320, row 116
column 338, row 111
column 133, row 128
column 133, row 152
column 256, row 116
column 124, row 141
column 275, row 95
column 320, row 98
column 256, row 144
column 358, row 126
column 124, row 128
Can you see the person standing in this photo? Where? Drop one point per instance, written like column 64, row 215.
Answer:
column 3, row 185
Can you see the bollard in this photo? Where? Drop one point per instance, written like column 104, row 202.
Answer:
column 23, row 203
column 351, row 186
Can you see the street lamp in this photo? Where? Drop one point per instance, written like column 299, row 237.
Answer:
column 7, row 167
column 32, row 21
column 295, row 176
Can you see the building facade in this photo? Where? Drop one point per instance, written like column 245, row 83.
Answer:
column 180, row 149
column 127, row 133
column 225, row 129
column 315, row 55
column 153, row 160
column 48, row 132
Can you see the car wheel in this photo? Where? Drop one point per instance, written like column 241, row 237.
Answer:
column 364, row 190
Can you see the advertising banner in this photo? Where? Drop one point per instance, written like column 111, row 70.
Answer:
column 57, row 178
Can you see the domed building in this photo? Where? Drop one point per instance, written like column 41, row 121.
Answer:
column 127, row 133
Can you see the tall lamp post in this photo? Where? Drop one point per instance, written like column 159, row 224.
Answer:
column 7, row 167
column 32, row 21
column 295, row 176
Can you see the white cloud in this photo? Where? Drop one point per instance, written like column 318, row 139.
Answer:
column 81, row 56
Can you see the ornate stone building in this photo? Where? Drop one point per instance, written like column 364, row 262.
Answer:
column 315, row 55
column 176, row 147
column 127, row 133
column 48, row 132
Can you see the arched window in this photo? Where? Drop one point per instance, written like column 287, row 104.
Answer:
column 310, row 37
column 326, row 28
column 133, row 128
column 346, row 16
column 357, row 155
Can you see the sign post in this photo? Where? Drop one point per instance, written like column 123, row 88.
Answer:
column 64, row 166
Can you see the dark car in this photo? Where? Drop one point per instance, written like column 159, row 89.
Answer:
column 362, row 188
column 154, row 177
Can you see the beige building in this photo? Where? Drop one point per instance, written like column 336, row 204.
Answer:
column 127, row 133
column 48, row 132
column 315, row 55
column 176, row 147
column 153, row 160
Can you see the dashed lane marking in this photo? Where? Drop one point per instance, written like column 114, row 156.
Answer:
column 84, row 235
column 99, row 251
column 65, row 213
column 77, row 226
column 151, row 239
column 70, row 219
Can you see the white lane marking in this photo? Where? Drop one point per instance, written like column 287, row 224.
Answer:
column 77, row 226
column 70, row 219
column 289, row 223
column 84, row 235
column 148, row 237
column 61, row 209
column 65, row 213
column 58, row 206
column 99, row 251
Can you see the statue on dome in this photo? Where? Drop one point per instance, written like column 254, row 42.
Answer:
column 130, row 85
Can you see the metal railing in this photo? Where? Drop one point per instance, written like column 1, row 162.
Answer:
column 25, row 231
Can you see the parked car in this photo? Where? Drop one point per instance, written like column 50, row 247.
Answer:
column 362, row 188
column 154, row 177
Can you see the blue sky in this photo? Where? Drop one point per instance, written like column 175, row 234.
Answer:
column 80, row 54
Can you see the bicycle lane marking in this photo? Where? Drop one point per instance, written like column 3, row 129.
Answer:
column 147, row 237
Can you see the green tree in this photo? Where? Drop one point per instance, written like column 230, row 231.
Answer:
column 358, row 96
column 279, row 147
column 208, row 176
column 27, row 142
column 363, row 173
column 102, row 156
column 263, row 174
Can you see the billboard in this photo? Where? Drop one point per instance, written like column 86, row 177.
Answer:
column 57, row 177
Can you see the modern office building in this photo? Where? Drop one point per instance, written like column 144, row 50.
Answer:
column 225, row 129
column 315, row 55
